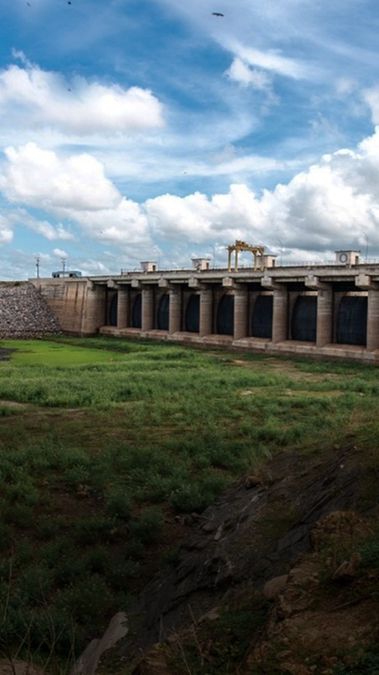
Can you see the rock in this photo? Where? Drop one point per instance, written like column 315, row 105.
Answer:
column 88, row 661
column 275, row 586
column 24, row 313
column 347, row 570
column 153, row 663
column 213, row 615
column 252, row 481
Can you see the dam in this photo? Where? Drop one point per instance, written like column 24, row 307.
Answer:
column 327, row 310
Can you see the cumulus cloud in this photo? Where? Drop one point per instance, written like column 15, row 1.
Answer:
column 41, row 178
column 36, row 98
column 335, row 203
column 200, row 219
column 125, row 225
column 73, row 187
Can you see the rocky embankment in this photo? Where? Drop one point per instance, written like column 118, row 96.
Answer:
column 24, row 313
column 210, row 610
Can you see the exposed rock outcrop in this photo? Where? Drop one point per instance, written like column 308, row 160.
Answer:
column 252, row 535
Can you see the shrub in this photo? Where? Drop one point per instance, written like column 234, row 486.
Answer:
column 87, row 601
column 118, row 505
column 148, row 526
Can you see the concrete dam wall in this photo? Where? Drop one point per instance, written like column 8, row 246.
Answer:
column 325, row 310
column 24, row 312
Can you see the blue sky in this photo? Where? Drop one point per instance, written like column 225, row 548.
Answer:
column 152, row 129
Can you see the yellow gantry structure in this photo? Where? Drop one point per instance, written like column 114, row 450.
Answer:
column 257, row 251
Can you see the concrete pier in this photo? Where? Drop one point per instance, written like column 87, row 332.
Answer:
column 147, row 309
column 373, row 319
column 123, row 308
column 280, row 314
column 324, row 316
column 206, row 312
column 175, row 310
column 241, row 313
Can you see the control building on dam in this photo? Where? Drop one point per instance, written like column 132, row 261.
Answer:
column 322, row 310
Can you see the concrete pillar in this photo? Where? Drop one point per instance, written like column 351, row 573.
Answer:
column 280, row 315
column 206, row 312
column 240, row 313
column 94, row 311
column 324, row 335
column 123, row 309
column 373, row 319
column 175, row 311
column 147, row 309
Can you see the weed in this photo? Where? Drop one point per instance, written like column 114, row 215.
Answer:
column 148, row 527
column 119, row 505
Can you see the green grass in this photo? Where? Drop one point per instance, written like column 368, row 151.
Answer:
column 55, row 354
column 113, row 438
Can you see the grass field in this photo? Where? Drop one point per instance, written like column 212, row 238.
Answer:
column 104, row 441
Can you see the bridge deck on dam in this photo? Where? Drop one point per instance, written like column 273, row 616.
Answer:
column 330, row 310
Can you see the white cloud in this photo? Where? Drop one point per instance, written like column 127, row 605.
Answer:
column 60, row 253
column 270, row 60
column 345, row 86
column 201, row 219
column 42, row 227
column 35, row 99
column 41, row 178
column 371, row 97
column 242, row 73
column 124, row 225
column 6, row 232
column 76, row 188
column 333, row 204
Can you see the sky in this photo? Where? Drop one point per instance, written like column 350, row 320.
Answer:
column 138, row 130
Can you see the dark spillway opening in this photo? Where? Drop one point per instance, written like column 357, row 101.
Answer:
column 261, row 320
column 192, row 315
column 112, row 311
column 304, row 319
column 352, row 321
column 225, row 315
column 163, row 312
column 137, row 311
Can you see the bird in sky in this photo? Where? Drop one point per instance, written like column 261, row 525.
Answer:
column 217, row 14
